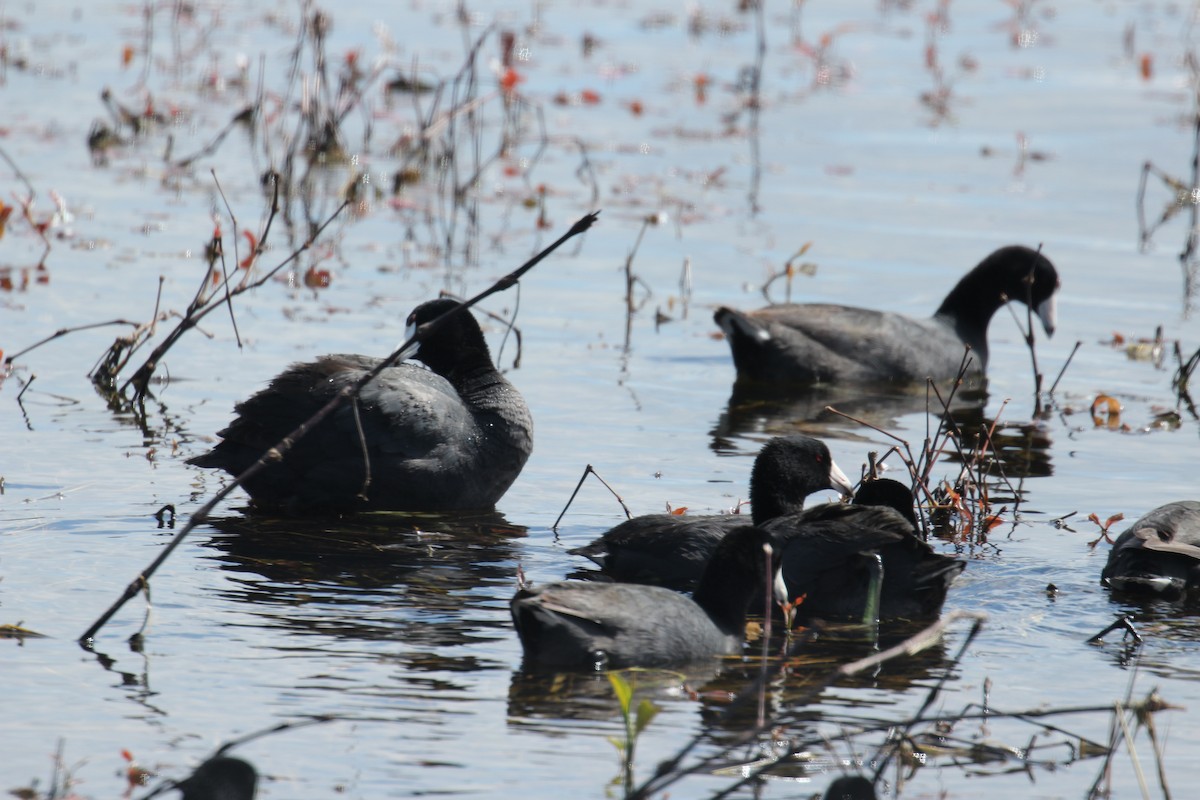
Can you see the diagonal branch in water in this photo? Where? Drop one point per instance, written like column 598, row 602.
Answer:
column 281, row 448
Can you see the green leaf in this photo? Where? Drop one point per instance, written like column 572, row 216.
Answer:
column 623, row 689
column 646, row 712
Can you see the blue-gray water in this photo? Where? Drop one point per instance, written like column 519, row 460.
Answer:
column 404, row 634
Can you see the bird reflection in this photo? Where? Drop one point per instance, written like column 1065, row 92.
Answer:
column 753, row 412
column 375, row 577
column 1022, row 450
column 726, row 690
column 557, row 697
column 798, row 696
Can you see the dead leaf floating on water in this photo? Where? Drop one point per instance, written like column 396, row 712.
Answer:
column 317, row 278
column 1140, row 349
column 1106, row 411
column 19, row 631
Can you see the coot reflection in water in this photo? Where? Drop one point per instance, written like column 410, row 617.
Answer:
column 724, row 691
column 535, row 695
column 789, row 700
column 1019, row 450
column 754, row 411
column 375, row 577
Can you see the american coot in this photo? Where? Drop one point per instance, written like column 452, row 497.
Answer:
column 1159, row 554
column 826, row 555
column 593, row 626
column 451, row 437
column 822, row 343
column 220, row 778
column 850, row 787
column 671, row 549
column 887, row 492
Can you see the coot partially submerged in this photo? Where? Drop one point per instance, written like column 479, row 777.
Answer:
column 1159, row 555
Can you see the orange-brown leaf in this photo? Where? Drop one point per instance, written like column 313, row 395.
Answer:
column 248, row 261
column 509, row 80
column 1106, row 404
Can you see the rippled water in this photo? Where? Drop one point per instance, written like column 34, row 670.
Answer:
column 397, row 627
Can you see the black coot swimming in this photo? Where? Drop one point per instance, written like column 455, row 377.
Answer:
column 672, row 550
column 587, row 625
column 828, row 555
column 451, row 435
column 820, row 343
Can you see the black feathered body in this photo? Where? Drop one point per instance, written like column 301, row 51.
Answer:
column 660, row 549
column 818, row 343
column 824, row 553
column 823, row 343
column 1159, row 555
column 450, row 437
column 672, row 550
column 585, row 625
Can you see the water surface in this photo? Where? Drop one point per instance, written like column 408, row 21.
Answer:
column 399, row 628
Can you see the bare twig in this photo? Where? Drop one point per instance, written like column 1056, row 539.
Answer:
column 670, row 772
column 589, row 471
column 1066, row 364
column 198, row 310
column 61, row 332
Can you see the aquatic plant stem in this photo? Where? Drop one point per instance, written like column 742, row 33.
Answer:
column 281, row 448
column 589, row 470
column 670, row 771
